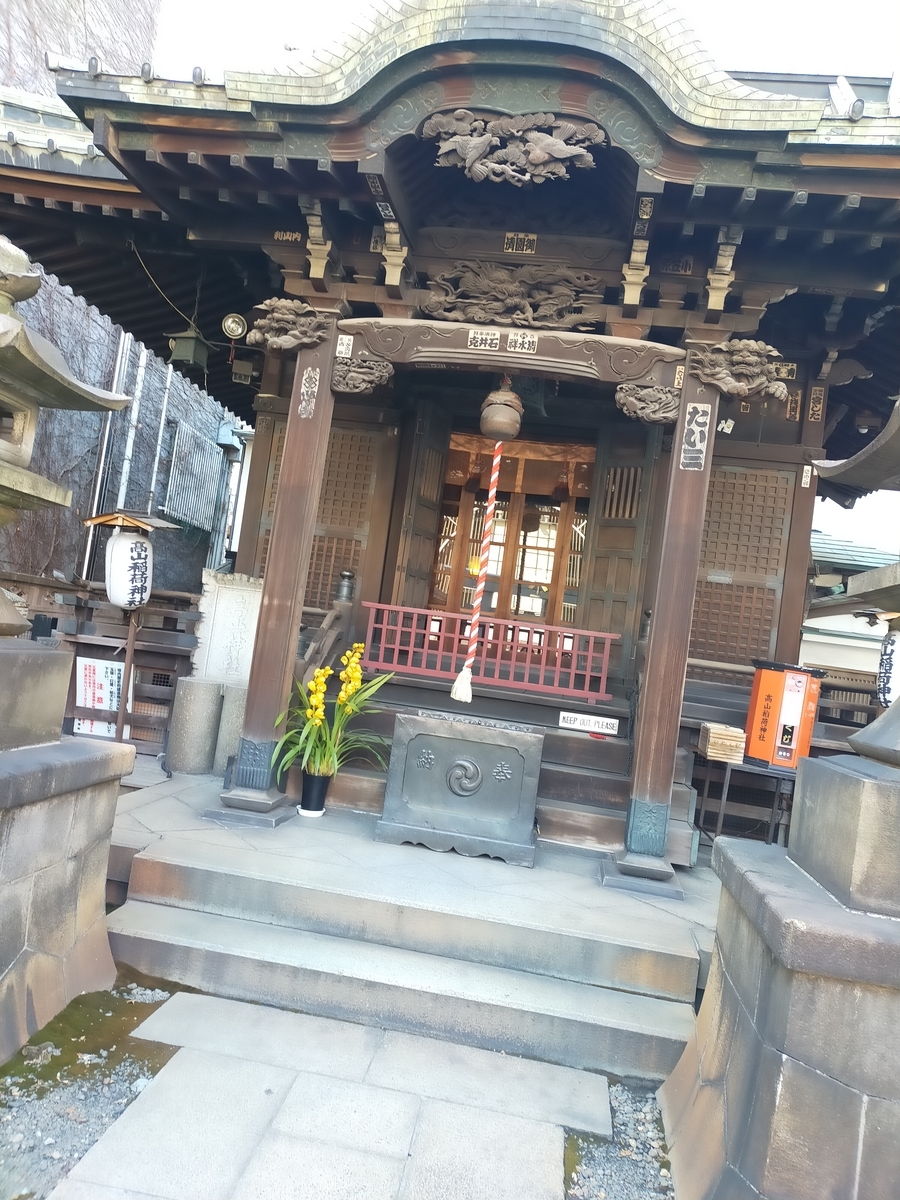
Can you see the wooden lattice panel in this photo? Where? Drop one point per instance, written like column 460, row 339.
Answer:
column 330, row 556
column 733, row 622
column 349, row 479
column 747, row 519
column 742, row 561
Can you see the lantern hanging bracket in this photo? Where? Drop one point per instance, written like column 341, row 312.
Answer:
column 122, row 520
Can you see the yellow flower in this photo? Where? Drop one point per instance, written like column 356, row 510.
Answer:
column 309, row 713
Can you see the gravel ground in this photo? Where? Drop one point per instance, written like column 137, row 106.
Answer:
column 634, row 1165
column 60, row 1094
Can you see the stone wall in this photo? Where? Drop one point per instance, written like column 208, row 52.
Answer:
column 57, row 805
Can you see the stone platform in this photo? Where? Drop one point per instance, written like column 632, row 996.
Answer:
column 790, row 1088
column 259, row 1102
column 317, row 916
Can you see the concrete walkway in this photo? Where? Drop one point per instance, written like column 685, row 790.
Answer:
column 264, row 1104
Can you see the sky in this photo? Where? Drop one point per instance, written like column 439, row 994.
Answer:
column 824, row 37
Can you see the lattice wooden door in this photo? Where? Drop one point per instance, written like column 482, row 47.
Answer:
column 422, row 509
column 616, row 541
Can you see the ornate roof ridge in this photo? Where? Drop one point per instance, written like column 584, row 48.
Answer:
column 646, row 36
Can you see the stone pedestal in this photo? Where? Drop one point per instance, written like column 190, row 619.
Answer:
column 194, row 728
column 57, row 804
column 455, row 786
column 790, row 1089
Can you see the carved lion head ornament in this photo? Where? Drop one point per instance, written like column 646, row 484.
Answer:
column 737, row 370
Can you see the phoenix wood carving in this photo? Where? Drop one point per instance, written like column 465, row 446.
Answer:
column 523, row 149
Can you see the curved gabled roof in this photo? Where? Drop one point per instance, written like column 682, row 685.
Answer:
column 646, row 36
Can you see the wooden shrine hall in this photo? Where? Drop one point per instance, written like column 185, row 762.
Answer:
column 687, row 278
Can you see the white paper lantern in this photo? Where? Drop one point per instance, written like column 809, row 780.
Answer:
column 887, row 685
column 129, row 568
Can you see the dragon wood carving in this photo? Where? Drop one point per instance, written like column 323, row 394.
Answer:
column 287, row 325
column 360, row 375
column 541, row 296
column 739, row 369
column 657, row 405
column 523, row 149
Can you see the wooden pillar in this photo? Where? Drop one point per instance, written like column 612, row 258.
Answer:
column 284, row 583
column 662, row 690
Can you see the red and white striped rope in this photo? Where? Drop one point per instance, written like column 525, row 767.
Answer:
column 485, row 555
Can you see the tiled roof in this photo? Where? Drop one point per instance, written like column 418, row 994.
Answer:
column 828, row 549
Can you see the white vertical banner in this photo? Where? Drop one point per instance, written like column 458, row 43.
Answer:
column 887, row 684
column 98, row 684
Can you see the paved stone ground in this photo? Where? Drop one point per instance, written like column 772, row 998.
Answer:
column 260, row 1102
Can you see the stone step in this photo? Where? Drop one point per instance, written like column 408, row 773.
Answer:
column 553, row 923
column 553, row 1020
column 603, row 829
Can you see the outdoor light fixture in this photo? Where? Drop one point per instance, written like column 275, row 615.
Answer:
column 241, row 371
column 189, row 348
column 234, row 326
column 867, row 422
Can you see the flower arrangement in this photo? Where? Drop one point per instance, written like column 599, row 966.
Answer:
column 321, row 745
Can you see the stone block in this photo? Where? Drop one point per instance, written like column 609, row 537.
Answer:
column 741, row 1073
column 44, row 988
column 845, row 820
column 89, row 966
column 93, row 821
column 697, row 1153
column 14, row 922
column 864, row 1052
column 350, row 1115
column 69, row 765
column 231, row 723
column 90, row 904
column 13, row 1027
column 51, row 925
column 32, row 837
column 291, row 1168
column 742, row 950
column 125, row 844
column 680, row 1090
column 190, row 1134
column 483, row 1079
column 715, row 1053
column 803, row 1137
column 194, row 726
column 459, row 1153
column 879, row 1174
column 33, row 696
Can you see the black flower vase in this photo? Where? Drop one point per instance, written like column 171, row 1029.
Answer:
column 313, row 793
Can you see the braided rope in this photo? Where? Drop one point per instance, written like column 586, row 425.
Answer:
column 485, row 555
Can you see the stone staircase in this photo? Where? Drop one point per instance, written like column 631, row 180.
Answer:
column 318, row 917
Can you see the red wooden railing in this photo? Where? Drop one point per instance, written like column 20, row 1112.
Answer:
column 516, row 655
